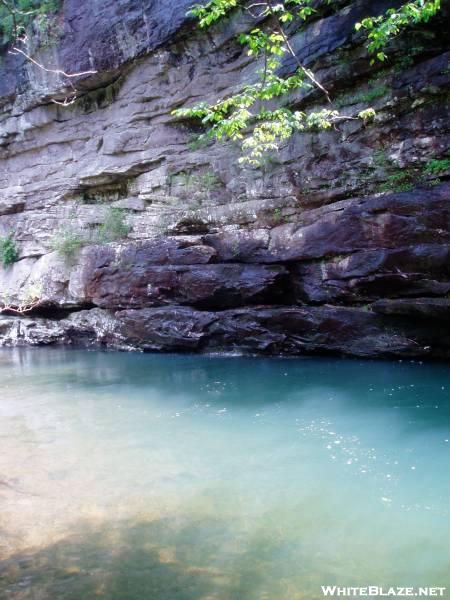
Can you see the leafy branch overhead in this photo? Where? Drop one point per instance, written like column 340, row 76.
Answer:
column 259, row 115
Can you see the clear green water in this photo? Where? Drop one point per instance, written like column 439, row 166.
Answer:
column 143, row 477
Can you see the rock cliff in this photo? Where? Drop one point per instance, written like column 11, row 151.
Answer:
column 340, row 243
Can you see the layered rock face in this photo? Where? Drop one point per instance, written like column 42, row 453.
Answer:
column 340, row 243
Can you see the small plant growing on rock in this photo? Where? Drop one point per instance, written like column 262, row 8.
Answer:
column 367, row 115
column 196, row 142
column 437, row 167
column 114, row 227
column 8, row 251
column 400, row 181
column 207, row 181
column 69, row 242
column 381, row 158
column 277, row 216
column 194, row 183
column 71, row 239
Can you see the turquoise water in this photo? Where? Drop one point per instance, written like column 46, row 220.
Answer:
column 147, row 477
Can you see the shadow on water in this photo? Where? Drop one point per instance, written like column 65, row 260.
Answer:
column 167, row 559
column 197, row 558
column 120, row 561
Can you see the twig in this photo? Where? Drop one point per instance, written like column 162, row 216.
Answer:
column 306, row 71
column 23, row 40
column 14, row 489
column 20, row 309
column 15, row 11
column 56, row 71
column 250, row 8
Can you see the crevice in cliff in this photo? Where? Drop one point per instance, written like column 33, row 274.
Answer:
column 48, row 310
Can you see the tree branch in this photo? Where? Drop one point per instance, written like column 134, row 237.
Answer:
column 20, row 37
column 291, row 50
column 20, row 309
column 16, row 50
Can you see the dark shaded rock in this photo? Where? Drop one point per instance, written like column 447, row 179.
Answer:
column 271, row 330
column 102, row 32
column 8, row 207
column 432, row 72
column 174, row 328
column 367, row 275
column 281, row 330
column 159, row 251
column 429, row 308
column 251, row 246
column 333, row 32
column 421, row 216
column 203, row 286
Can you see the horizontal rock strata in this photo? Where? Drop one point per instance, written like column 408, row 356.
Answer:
column 339, row 244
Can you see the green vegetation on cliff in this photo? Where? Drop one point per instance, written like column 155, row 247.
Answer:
column 263, row 113
column 16, row 16
column 8, row 251
column 70, row 240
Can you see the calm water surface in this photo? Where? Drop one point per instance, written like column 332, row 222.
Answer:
column 143, row 477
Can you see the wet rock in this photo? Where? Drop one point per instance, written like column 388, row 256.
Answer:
column 171, row 329
column 18, row 331
column 281, row 330
column 90, row 328
column 287, row 330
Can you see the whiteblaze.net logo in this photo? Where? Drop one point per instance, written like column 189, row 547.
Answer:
column 375, row 590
